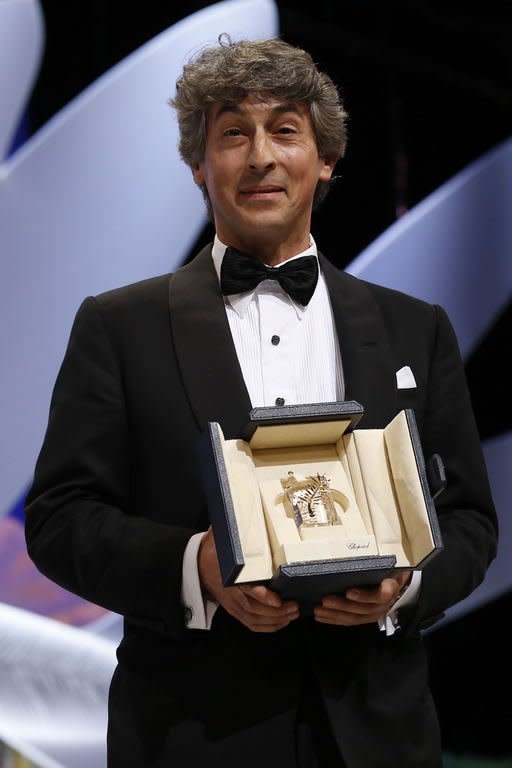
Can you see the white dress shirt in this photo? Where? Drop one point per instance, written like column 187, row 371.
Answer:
column 289, row 354
column 285, row 350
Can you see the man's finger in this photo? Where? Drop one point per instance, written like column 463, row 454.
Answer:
column 254, row 606
column 262, row 595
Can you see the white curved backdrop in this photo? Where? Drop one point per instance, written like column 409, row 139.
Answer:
column 97, row 198
column 455, row 249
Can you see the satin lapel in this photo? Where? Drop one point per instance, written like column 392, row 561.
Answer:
column 204, row 347
column 364, row 346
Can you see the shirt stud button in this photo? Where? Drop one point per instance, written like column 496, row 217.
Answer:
column 279, row 400
column 275, row 340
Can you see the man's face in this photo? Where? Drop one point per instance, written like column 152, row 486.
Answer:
column 261, row 168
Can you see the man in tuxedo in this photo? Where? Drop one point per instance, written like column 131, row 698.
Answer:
column 210, row 675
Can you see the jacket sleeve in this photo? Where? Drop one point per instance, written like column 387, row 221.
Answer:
column 80, row 531
column 465, row 509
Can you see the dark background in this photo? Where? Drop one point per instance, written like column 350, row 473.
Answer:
column 428, row 89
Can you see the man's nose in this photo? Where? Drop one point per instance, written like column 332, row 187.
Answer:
column 261, row 153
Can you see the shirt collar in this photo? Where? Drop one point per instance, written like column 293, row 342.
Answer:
column 240, row 301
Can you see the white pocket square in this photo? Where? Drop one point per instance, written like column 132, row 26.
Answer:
column 405, row 378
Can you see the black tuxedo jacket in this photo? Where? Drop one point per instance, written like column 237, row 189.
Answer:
column 117, row 495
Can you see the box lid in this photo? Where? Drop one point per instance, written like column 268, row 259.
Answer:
column 314, row 423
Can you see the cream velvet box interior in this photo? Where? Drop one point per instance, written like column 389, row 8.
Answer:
column 310, row 504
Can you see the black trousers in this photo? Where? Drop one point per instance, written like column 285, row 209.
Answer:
column 146, row 729
column 316, row 746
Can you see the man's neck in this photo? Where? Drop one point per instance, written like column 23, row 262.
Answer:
column 271, row 253
column 310, row 247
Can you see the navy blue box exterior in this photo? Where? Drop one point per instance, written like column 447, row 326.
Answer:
column 306, row 582
column 220, row 506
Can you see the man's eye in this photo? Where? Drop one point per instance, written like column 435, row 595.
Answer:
column 286, row 129
column 232, row 132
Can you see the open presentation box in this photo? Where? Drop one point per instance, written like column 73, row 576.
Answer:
column 309, row 505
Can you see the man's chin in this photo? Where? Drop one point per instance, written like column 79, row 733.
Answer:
column 264, row 217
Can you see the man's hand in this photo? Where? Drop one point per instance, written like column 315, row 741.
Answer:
column 258, row 608
column 362, row 606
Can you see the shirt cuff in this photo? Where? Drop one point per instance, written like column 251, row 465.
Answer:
column 389, row 624
column 199, row 611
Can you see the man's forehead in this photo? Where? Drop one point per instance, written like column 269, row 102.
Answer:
column 267, row 102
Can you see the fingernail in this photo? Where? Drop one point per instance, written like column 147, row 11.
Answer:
column 353, row 594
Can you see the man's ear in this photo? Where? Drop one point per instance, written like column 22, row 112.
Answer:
column 198, row 175
column 328, row 165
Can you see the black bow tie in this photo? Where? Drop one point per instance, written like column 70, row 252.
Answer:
column 241, row 272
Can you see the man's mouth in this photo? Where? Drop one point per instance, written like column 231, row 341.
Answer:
column 262, row 190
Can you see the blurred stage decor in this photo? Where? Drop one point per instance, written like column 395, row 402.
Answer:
column 99, row 197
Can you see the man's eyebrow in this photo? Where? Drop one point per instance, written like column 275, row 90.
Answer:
column 287, row 106
column 228, row 109
column 236, row 109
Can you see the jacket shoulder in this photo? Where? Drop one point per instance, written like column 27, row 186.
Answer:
column 133, row 294
column 386, row 298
